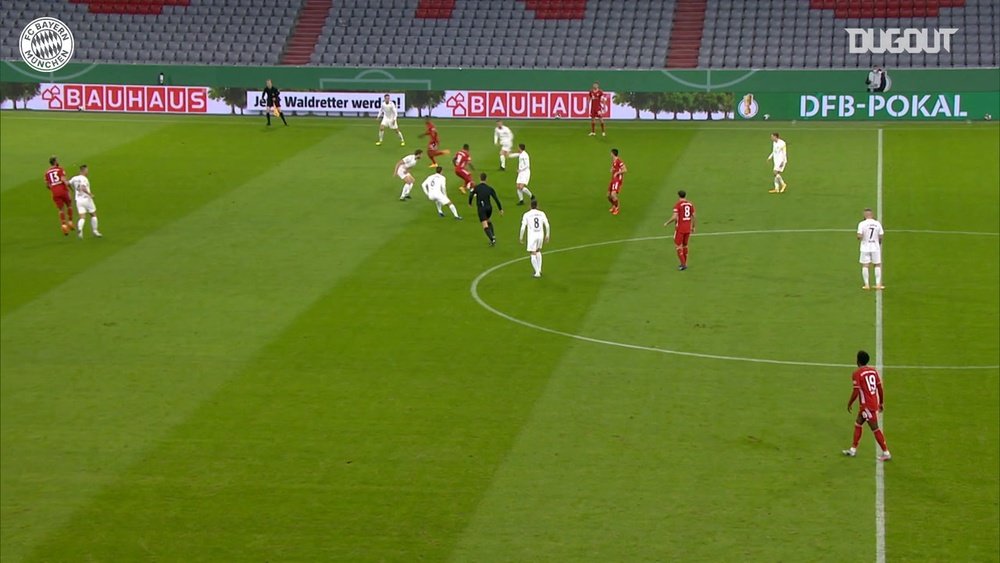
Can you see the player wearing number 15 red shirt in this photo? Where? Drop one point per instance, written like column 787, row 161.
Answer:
column 596, row 97
column 868, row 392
column 684, row 218
column 55, row 180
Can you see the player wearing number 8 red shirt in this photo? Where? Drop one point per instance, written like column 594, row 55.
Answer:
column 55, row 180
column 684, row 218
column 596, row 97
column 868, row 391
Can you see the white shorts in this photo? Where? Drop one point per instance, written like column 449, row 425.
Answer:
column 390, row 123
column 402, row 172
column 506, row 146
column 439, row 198
column 535, row 242
column 523, row 177
column 779, row 165
column 873, row 257
column 85, row 205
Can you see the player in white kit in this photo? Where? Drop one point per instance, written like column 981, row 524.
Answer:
column 870, row 234
column 436, row 190
column 779, row 154
column 402, row 171
column 523, row 173
column 504, row 138
column 536, row 224
column 388, row 113
column 84, row 202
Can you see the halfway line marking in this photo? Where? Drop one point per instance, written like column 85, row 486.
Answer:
column 880, row 366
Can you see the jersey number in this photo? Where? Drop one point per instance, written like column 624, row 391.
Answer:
column 537, row 225
column 53, row 178
column 871, row 234
column 687, row 212
column 872, row 383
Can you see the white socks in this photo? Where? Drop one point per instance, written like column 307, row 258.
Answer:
column 878, row 275
column 864, row 274
column 93, row 225
column 777, row 181
column 381, row 134
column 522, row 191
column 453, row 210
column 400, row 133
column 503, row 161
column 536, row 263
column 406, row 191
column 79, row 225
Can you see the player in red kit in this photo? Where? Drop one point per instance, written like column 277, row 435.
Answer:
column 596, row 97
column 684, row 218
column 55, row 180
column 433, row 143
column 618, row 170
column 463, row 160
column 868, row 390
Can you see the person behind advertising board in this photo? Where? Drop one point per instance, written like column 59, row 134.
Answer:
column 876, row 80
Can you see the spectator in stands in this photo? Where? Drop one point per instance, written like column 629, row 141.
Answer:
column 876, row 80
column 161, row 79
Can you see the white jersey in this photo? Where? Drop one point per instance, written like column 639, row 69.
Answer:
column 434, row 187
column 779, row 151
column 389, row 112
column 523, row 161
column 409, row 161
column 503, row 136
column 535, row 223
column 81, row 186
column 871, row 233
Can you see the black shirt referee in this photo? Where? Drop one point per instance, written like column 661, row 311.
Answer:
column 272, row 100
column 483, row 193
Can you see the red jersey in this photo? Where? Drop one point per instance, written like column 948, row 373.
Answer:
column 685, row 215
column 432, row 133
column 617, row 168
column 55, row 178
column 462, row 158
column 868, row 387
column 596, row 99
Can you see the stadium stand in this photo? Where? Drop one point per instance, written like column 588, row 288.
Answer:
column 783, row 33
column 245, row 32
column 508, row 33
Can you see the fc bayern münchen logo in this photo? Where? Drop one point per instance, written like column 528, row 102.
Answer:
column 46, row 44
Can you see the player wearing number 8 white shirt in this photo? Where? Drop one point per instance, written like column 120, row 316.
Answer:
column 388, row 114
column 870, row 234
column 779, row 154
column 84, row 202
column 436, row 190
column 536, row 225
column 503, row 137
column 402, row 171
column 523, row 174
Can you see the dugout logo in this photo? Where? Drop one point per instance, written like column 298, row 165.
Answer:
column 46, row 44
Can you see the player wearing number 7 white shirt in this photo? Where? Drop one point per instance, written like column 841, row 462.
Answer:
column 523, row 173
column 388, row 113
column 436, row 190
column 84, row 202
column 779, row 155
column 536, row 224
column 870, row 234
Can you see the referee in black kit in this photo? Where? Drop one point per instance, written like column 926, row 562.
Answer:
column 483, row 192
column 272, row 101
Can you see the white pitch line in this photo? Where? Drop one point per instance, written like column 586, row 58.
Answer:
column 880, row 366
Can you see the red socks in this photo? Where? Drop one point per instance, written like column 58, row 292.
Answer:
column 857, row 435
column 880, row 438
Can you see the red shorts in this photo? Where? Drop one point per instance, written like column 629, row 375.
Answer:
column 681, row 239
column 615, row 186
column 464, row 175
column 595, row 112
column 869, row 415
column 61, row 198
column 432, row 146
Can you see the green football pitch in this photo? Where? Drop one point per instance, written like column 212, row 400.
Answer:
column 269, row 357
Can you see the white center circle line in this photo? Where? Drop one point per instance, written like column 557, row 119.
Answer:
column 474, row 291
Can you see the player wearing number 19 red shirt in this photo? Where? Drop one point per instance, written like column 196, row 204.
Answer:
column 868, row 391
column 684, row 218
column 596, row 97
column 55, row 180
